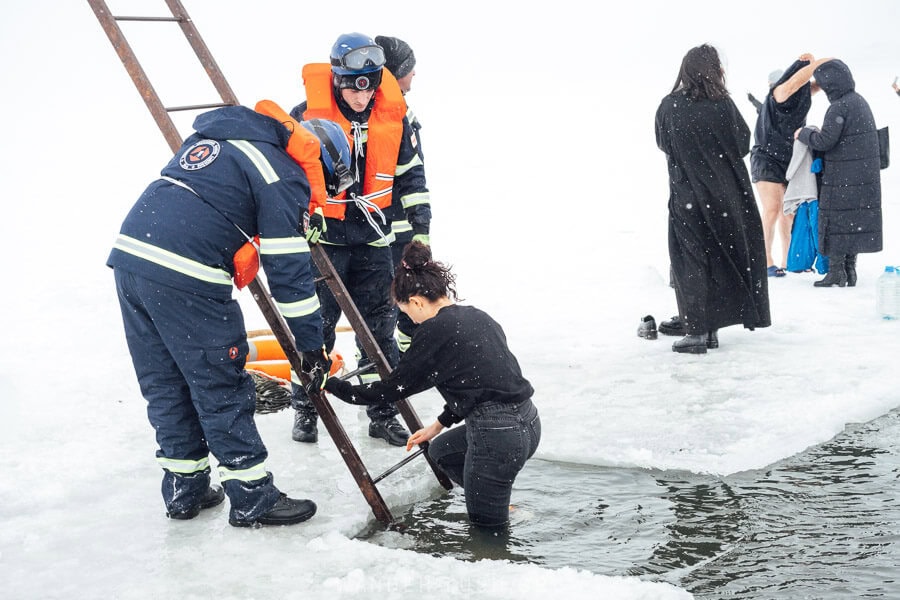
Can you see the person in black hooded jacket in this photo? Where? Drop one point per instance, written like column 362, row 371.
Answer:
column 716, row 247
column 850, row 180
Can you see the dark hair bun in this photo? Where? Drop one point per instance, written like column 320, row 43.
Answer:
column 416, row 255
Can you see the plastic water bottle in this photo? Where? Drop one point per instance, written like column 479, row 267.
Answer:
column 887, row 290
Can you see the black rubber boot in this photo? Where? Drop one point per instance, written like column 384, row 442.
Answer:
column 850, row 267
column 305, row 429
column 712, row 339
column 214, row 496
column 674, row 326
column 287, row 511
column 690, row 344
column 389, row 430
column 837, row 273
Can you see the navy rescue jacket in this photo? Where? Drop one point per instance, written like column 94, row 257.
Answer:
column 233, row 172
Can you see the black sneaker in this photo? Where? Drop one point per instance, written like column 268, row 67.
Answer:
column 214, row 496
column 305, row 429
column 390, row 430
column 674, row 326
column 287, row 511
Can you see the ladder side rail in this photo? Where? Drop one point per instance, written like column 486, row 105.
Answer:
column 138, row 76
column 203, row 53
column 323, row 407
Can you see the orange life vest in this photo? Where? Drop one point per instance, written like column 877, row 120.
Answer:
column 304, row 148
column 384, row 135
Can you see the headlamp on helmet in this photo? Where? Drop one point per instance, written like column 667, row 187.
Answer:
column 363, row 82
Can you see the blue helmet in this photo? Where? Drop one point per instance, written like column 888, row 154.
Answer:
column 356, row 54
column 335, row 154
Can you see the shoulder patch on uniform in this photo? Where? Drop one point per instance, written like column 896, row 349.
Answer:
column 199, row 155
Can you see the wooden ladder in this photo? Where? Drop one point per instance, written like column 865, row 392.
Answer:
column 260, row 294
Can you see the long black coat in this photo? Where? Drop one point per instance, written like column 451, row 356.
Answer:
column 850, row 184
column 716, row 246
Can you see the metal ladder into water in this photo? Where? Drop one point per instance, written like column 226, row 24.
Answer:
column 260, row 294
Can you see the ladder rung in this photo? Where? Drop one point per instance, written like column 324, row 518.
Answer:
column 170, row 19
column 197, row 106
column 398, row 465
column 359, row 371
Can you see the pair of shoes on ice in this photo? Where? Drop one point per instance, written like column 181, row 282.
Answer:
column 286, row 511
column 774, row 271
column 214, row 496
column 390, row 430
column 697, row 344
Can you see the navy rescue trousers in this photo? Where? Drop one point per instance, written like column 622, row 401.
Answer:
column 486, row 453
column 189, row 353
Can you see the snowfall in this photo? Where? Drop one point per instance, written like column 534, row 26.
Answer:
column 549, row 199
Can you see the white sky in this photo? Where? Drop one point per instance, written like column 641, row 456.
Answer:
column 550, row 201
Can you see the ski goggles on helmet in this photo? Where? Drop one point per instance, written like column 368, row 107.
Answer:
column 368, row 81
column 371, row 57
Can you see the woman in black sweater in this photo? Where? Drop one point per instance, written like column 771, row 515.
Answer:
column 462, row 352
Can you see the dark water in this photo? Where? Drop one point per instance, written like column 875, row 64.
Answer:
column 822, row 524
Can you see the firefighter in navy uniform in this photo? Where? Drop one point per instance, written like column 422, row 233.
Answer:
column 356, row 92
column 173, row 266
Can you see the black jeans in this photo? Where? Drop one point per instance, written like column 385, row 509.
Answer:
column 485, row 454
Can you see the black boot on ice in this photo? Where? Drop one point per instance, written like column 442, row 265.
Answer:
column 305, row 428
column 214, row 496
column 674, row 326
column 712, row 339
column 287, row 511
column 690, row 344
column 389, row 430
column 837, row 273
column 850, row 267
column 647, row 328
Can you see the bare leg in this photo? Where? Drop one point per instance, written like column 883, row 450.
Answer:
column 771, row 196
column 785, row 223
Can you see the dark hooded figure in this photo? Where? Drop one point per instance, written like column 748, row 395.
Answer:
column 716, row 246
column 850, row 180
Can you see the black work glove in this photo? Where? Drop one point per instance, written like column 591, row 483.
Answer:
column 316, row 365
